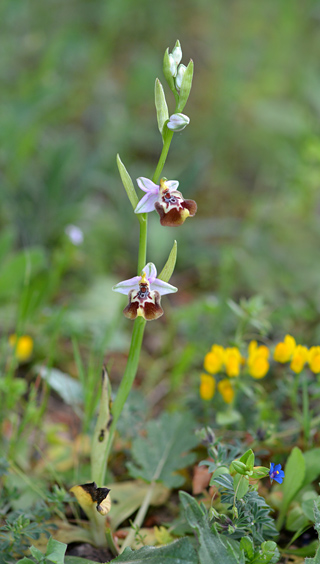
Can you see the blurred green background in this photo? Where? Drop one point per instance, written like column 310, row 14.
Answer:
column 77, row 87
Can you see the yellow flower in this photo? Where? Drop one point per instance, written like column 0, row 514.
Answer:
column 258, row 360
column 232, row 360
column 207, row 387
column 314, row 359
column 283, row 351
column 213, row 361
column 226, row 390
column 23, row 347
column 299, row 358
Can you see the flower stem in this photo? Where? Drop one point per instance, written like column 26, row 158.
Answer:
column 165, row 149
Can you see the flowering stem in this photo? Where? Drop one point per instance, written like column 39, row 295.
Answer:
column 142, row 255
column 165, row 149
column 138, row 327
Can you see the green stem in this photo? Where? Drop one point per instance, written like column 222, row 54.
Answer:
column 127, row 380
column 139, row 517
column 305, row 409
column 165, row 149
column 142, row 254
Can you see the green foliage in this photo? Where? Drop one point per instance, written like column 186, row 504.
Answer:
column 212, row 547
column 127, row 183
column 316, row 559
column 164, row 450
column 55, row 552
column 178, row 552
column 267, row 553
column 251, row 514
column 294, row 477
column 169, row 267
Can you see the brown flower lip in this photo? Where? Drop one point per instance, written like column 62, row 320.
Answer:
column 144, row 303
column 172, row 208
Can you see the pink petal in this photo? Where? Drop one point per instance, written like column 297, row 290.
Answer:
column 147, row 185
column 146, row 203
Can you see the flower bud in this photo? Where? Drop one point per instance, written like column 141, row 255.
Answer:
column 173, row 65
column 239, row 467
column 179, row 77
column 177, row 53
column 178, row 122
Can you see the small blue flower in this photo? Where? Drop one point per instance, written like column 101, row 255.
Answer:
column 276, row 473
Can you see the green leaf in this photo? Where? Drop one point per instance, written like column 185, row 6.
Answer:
column 296, row 519
column 127, row 183
column 247, row 456
column 185, row 87
column 25, row 560
column 268, row 553
column 177, row 552
column 311, row 458
column 36, row 553
column 55, row 551
column 247, row 545
column 164, row 449
column 212, row 546
column 316, row 559
column 241, row 485
column 294, row 476
column 168, row 268
column 161, row 105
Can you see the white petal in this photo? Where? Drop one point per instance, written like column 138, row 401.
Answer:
column 146, row 203
column 147, row 185
column 163, row 287
column 151, row 272
column 172, row 184
column 125, row 286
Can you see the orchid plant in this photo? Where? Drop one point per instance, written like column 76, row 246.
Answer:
column 144, row 290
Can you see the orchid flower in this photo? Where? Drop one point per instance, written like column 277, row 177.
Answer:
column 166, row 200
column 144, row 301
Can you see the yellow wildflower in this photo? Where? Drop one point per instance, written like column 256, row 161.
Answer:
column 213, row 361
column 23, row 347
column 314, row 359
column 258, row 364
column 284, row 351
column 226, row 390
column 207, row 387
column 299, row 358
column 232, row 360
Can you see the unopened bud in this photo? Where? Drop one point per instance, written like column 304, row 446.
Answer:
column 177, row 53
column 178, row 122
column 179, row 77
column 173, row 65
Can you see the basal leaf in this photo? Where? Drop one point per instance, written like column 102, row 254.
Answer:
column 164, row 450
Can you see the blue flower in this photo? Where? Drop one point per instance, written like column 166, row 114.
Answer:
column 276, row 473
